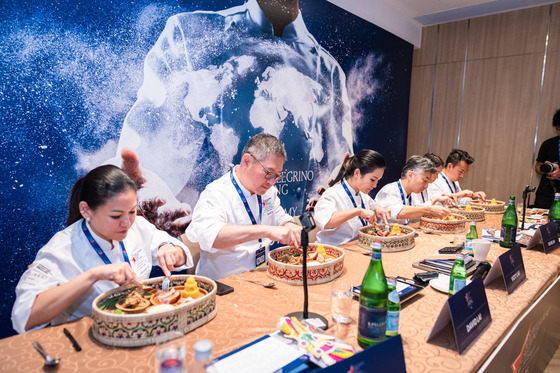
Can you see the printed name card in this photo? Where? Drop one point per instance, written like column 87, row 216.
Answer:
column 468, row 312
column 548, row 235
column 387, row 356
column 510, row 266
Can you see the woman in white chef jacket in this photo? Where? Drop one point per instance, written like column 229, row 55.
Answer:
column 346, row 206
column 104, row 245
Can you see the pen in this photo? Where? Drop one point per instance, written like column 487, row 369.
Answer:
column 71, row 338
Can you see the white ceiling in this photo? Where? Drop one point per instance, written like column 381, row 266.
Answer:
column 405, row 18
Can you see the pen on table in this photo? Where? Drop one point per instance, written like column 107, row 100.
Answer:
column 71, row 338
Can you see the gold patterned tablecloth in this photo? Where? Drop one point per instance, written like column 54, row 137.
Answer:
column 252, row 311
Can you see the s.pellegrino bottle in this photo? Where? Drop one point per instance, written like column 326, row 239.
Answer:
column 458, row 277
column 202, row 356
column 393, row 308
column 509, row 225
column 471, row 235
column 554, row 213
column 372, row 320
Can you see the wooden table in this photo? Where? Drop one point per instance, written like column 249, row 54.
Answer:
column 252, row 311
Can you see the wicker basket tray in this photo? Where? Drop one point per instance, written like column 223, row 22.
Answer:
column 141, row 329
column 390, row 244
column 433, row 225
column 316, row 273
column 498, row 208
column 477, row 213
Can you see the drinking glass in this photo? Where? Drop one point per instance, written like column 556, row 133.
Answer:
column 341, row 300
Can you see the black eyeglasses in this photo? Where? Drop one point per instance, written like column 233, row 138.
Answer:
column 270, row 176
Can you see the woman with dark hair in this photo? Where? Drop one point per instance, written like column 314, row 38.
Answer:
column 104, row 245
column 346, row 206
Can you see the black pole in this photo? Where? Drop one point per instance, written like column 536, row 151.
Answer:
column 304, row 243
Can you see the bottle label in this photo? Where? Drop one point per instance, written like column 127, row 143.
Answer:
column 468, row 244
column 392, row 322
column 376, row 255
column 508, row 234
column 458, row 284
column 372, row 323
column 393, row 297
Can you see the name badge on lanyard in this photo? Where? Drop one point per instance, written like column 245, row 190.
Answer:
column 352, row 199
column 98, row 248
column 451, row 186
column 260, row 254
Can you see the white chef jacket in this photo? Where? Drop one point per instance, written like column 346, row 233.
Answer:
column 440, row 186
column 220, row 204
column 390, row 198
column 69, row 253
column 336, row 199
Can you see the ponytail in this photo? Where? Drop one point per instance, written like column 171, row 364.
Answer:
column 366, row 161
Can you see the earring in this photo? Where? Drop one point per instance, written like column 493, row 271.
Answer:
column 88, row 219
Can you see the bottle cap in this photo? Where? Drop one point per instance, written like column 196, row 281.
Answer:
column 473, row 223
column 376, row 245
column 202, row 350
column 459, row 256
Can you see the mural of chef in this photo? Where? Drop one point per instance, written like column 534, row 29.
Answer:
column 215, row 79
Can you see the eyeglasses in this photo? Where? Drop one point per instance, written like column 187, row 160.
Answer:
column 270, row 176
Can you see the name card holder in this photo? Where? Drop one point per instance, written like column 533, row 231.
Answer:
column 548, row 235
column 468, row 312
column 387, row 356
column 510, row 266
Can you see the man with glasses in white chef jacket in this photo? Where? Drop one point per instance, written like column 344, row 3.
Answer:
column 238, row 215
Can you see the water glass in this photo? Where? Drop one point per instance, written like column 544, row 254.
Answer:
column 341, row 300
column 171, row 353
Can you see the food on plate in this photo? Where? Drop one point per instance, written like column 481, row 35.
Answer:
column 493, row 201
column 318, row 256
column 133, row 301
column 468, row 208
column 377, row 231
column 191, row 289
column 169, row 297
column 447, row 218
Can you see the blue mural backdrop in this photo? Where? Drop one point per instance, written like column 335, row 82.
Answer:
column 70, row 73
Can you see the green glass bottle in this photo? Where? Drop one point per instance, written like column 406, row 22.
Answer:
column 471, row 235
column 554, row 213
column 393, row 308
column 509, row 225
column 458, row 277
column 372, row 320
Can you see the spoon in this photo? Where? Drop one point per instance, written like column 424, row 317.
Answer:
column 49, row 361
column 368, row 253
column 269, row 285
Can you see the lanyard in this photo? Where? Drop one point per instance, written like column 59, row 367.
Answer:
column 423, row 198
column 98, row 248
column 409, row 198
column 453, row 189
column 354, row 202
column 246, row 204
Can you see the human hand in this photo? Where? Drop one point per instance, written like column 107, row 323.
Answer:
column 439, row 211
column 287, row 234
column 382, row 214
column 465, row 193
column 479, row 195
column 156, row 202
column 170, row 256
column 444, row 200
column 119, row 273
column 555, row 174
column 452, row 196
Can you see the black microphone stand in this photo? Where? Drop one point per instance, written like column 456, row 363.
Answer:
column 308, row 224
column 528, row 189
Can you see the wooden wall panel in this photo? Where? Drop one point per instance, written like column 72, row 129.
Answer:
column 508, row 34
column 426, row 54
column 447, row 108
column 554, row 34
column 452, row 41
column 499, row 118
column 421, row 84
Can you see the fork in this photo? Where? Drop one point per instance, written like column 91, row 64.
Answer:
column 165, row 285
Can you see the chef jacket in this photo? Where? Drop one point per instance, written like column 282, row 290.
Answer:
column 220, row 204
column 335, row 199
column 390, row 198
column 69, row 253
column 440, row 186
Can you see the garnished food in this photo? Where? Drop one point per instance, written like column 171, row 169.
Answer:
column 447, row 218
column 376, row 231
column 134, row 300
column 493, row 202
column 169, row 297
column 468, row 208
column 318, row 256
column 191, row 289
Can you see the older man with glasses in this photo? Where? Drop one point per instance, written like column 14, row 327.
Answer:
column 238, row 216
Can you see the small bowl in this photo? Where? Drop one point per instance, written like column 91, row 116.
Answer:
column 145, row 304
column 477, row 213
column 156, row 302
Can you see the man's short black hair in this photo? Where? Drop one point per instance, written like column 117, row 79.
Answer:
column 458, row 155
column 556, row 119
